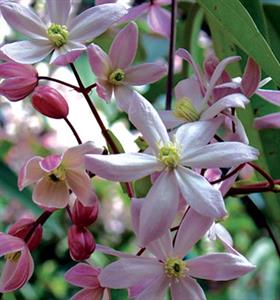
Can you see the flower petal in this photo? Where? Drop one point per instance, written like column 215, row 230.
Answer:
column 199, row 193
column 89, row 293
column 59, row 11
column 28, row 52
column 124, row 96
column 104, row 90
column 192, row 229
column 67, row 53
column 94, row 21
column 268, row 121
column 10, row 244
column 135, row 12
column 50, row 162
column 51, row 194
column 219, row 266
column 124, row 47
column 169, row 120
column 122, row 167
column 23, row 19
column 270, row 96
column 144, row 73
column 251, row 78
column 159, row 208
column 159, row 20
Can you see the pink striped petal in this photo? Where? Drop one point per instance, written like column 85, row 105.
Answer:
column 124, row 96
column 124, row 47
column 135, row 12
column 67, row 53
column 210, row 64
column 144, row 73
column 159, row 20
column 159, row 208
column 51, row 194
column 135, row 209
column 268, row 121
column 89, row 293
column 113, row 252
column 219, row 266
column 50, row 162
column 270, row 96
column 104, row 90
column 187, row 288
column 162, row 247
column 251, row 78
column 59, row 11
column 31, row 172
column 169, row 120
column 10, row 244
column 192, row 229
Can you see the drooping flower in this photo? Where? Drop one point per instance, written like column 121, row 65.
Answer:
column 19, row 263
column 66, row 36
column 150, row 277
column 19, row 80
column 54, row 175
column 173, row 158
column 114, row 71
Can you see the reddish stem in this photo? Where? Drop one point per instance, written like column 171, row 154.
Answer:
column 76, row 88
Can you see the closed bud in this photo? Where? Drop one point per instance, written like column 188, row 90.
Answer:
column 81, row 242
column 22, row 228
column 49, row 102
column 84, row 215
column 19, row 80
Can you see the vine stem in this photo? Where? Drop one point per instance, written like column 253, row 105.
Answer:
column 76, row 88
column 75, row 133
column 171, row 55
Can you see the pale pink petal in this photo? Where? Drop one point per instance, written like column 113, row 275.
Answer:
column 67, row 53
column 210, row 65
column 59, row 11
column 99, row 61
column 268, row 121
column 190, row 88
column 30, row 172
column 135, row 12
column 51, row 194
column 188, row 289
column 251, row 78
column 28, row 52
column 200, row 194
column 122, row 167
column 219, row 266
column 124, row 47
column 196, row 134
column 113, row 252
column 10, row 244
column 132, row 270
column 162, row 247
column 10, row 69
column 104, row 89
column 240, row 133
column 163, row 2
column 270, row 96
column 88, row 294
column 223, row 234
column 221, row 155
column 192, row 229
column 146, row 119
column 169, row 120
column 23, row 19
column 135, row 209
column 159, row 20
column 233, row 100
column 83, row 275
column 124, row 96
column 94, row 21
column 50, row 162
column 144, row 73
column 159, row 208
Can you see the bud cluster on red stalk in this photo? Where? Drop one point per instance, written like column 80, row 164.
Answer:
column 49, row 102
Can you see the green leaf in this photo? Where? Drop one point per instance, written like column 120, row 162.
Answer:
column 5, row 146
column 236, row 22
column 116, row 142
column 142, row 186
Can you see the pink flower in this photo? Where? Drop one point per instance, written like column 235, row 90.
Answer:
column 54, row 175
column 84, row 215
column 19, row 80
column 19, row 263
column 65, row 35
column 172, row 157
column 114, row 71
column 158, row 18
column 85, row 276
column 150, row 277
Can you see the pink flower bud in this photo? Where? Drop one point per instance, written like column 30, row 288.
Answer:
column 49, row 102
column 84, row 215
column 19, row 80
column 81, row 242
column 22, row 228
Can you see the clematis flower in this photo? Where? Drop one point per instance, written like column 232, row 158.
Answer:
column 173, row 158
column 19, row 80
column 54, row 175
column 63, row 35
column 158, row 18
column 85, row 276
column 114, row 71
column 19, row 263
column 150, row 277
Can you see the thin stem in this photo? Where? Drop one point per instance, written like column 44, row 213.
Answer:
column 171, row 55
column 90, row 87
column 175, row 236
column 228, row 175
column 76, row 88
column 263, row 173
column 75, row 133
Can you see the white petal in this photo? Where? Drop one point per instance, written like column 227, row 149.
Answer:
column 59, row 11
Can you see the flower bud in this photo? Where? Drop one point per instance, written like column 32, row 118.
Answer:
column 49, row 102
column 22, row 228
column 84, row 215
column 81, row 242
column 19, row 80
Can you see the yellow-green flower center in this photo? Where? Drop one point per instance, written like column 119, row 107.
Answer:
column 13, row 257
column 169, row 155
column 175, row 268
column 58, row 34
column 185, row 110
column 57, row 174
column 117, row 77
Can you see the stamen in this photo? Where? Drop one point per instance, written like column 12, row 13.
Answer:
column 175, row 268
column 13, row 257
column 117, row 77
column 169, row 155
column 58, row 34
column 184, row 109
column 57, row 174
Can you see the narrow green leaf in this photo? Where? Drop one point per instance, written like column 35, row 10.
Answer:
column 116, row 142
